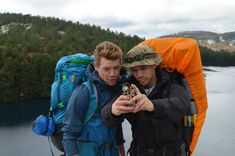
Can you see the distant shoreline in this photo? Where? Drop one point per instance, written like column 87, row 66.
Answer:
column 208, row 69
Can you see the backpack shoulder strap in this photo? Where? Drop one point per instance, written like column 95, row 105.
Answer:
column 175, row 77
column 93, row 101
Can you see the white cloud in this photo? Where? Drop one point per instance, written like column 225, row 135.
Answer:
column 146, row 18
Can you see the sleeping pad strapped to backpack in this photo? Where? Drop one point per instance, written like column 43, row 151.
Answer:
column 70, row 72
column 183, row 55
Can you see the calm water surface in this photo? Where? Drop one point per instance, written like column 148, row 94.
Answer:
column 217, row 136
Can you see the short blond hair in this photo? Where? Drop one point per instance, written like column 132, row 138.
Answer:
column 107, row 50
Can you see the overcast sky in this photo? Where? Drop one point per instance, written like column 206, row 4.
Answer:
column 145, row 18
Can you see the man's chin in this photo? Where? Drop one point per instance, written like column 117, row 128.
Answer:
column 142, row 83
column 112, row 83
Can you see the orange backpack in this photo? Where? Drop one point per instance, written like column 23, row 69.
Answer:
column 183, row 55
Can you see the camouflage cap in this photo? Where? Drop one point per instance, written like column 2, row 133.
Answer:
column 141, row 55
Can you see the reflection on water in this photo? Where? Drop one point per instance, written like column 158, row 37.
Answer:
column 217, row 136
column 22, row 111
column 16, row 137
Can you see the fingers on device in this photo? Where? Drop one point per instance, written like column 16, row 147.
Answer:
column 129, row 91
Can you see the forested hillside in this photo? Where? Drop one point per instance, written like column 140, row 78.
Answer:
column 218, row 58
column 30, row 47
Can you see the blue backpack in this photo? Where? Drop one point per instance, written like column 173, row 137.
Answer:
column 70, row 72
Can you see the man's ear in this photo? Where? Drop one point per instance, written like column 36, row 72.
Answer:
column 96, row 66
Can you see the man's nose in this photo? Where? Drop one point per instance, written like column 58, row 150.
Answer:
column 112, row 72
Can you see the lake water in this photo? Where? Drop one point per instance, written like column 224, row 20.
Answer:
column 217, row 137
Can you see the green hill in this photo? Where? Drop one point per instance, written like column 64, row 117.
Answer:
column 31, row 45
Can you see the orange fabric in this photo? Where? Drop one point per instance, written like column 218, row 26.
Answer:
column 183, row 55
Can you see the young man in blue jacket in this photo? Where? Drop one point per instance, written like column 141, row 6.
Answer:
column 87, row 134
